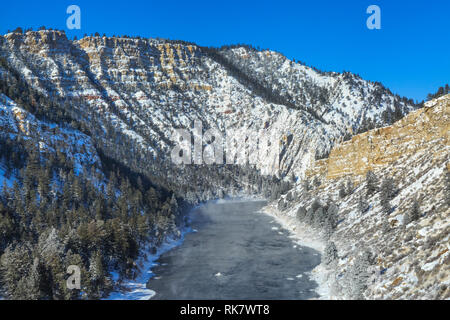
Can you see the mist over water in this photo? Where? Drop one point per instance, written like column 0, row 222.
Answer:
column 236, row 253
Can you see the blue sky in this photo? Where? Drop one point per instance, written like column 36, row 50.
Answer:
column 410, row 54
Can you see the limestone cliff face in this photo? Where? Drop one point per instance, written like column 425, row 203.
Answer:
column 143, row 88
column 377, row 148
column 142, row 61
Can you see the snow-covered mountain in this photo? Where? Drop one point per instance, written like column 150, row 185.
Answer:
column 138, row 90
column 391, row 242
column 110, row 106
column 342, row 99
column 18, row 124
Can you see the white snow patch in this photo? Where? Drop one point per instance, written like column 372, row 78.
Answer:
column 137, row 289
column 302, row 236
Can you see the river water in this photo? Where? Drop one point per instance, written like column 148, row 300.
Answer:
column 237, row 252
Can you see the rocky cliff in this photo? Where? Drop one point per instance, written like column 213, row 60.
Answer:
column 125, row 96
column 140, row 89
column 378, row 148
column 386, row 254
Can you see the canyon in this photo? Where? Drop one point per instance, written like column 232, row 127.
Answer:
column 111, row 106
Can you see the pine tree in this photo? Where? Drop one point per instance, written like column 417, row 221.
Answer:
column 363, row 205
column 309, row 216
column 301, row 213
column 99, row 206
column 349, row 187
column 152, row 197
column 360, row 274
column 388, row 188
column 342, row 191
column 387, row 193
column 413, row 213
column 97, row 276
column 316, row 204
column 319, row 217
column 331, row 254
column 15, row 265
column 332, row 215
column 371, row 183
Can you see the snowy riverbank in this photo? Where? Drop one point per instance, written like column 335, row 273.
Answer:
column 137, row 289
column 304, row 236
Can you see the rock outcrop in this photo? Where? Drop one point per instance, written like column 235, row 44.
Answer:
column 378, row 148
column 409, row 251
column 143, row 88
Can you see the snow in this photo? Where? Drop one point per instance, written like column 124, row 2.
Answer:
column 153, row 111
column 136, row 289
column 303, row 236
column 430, row 266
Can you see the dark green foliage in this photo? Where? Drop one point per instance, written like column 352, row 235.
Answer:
column 413, row 213
column 42, row 228
column 137, row 205
column 321, row 217
column 342, row 191
column 388, row 190
column 289, row 196
column 18, row 30
column 359, row 274
column 256, row 85
column 371, row 183
column 363, row 206
column 316, row 205
column 309, row 218
column 332, row 215
column 277, row 187
column 301, row 213
column 331, row 253
column 349, row 187
column 442, row 91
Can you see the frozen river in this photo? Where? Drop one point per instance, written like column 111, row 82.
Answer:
column 236, row 253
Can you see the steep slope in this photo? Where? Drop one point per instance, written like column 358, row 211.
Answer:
column 62, row 203
column 16, row 124
column 398, row 249
column 111, row 106
column 342, row 99
column 140, row 89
